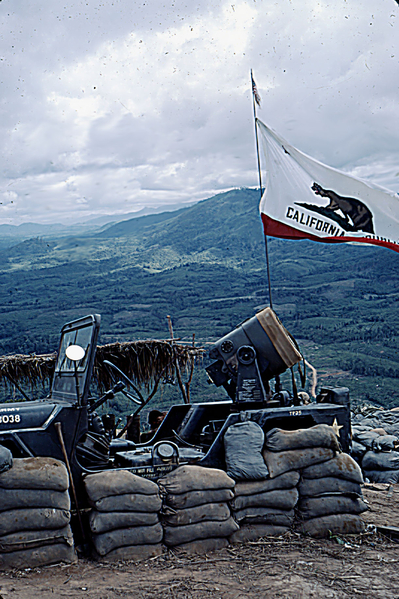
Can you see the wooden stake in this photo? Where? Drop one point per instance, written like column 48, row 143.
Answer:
column 58, row 428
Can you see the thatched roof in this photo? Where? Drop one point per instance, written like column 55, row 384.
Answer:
column 142, row 361
column 27, row 369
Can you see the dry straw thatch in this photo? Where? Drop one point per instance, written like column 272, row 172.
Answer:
column 144, row 362
column 27, row 369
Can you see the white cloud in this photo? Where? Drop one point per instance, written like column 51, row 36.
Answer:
column 109, row 108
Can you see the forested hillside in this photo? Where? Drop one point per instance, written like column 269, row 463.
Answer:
column 205, row 266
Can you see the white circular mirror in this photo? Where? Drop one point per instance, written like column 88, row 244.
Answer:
column 75, row 353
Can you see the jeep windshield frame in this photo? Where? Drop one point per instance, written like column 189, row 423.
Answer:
column 71, row 379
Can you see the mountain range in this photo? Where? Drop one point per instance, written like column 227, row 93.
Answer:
column 204, row 265
column 11, row 234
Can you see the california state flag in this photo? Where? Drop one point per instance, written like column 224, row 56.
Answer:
column 304, row 198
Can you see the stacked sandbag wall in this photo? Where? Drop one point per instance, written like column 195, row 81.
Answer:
column 329, row 490
column 261, row 506
column 377, row 419
column 362, row 439
column 376, row 449
column 124, row 522
column 35, row 514
column 195, row 515
column 331, row 498
column 264, row 507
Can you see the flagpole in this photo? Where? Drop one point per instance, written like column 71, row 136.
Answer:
column 256, row 100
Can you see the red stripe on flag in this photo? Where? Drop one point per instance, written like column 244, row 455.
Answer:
column 274, row 228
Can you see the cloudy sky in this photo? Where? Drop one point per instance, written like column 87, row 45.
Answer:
column 108, row 107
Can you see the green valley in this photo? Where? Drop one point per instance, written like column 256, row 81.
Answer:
column 204, row 266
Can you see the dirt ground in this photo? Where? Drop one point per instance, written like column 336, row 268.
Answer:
column 289, row 567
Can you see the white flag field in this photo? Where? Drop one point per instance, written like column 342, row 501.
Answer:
column 304, row 198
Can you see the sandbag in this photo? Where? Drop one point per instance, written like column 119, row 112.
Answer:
column 265, row 515
column 21, row 498
column 337, row 524
column 194, row 478
column 117, row 482
column 282, row 499
column 193, row 498
column 253, row 532
column 392, row 429
column 385, row 443
column 104, row 521
column 243, row 443
column 136, row 553
column 390, row 477
column 29, row 539
column 288, row 480
column 359, row 427
column 381, row 461
column 39, row 556
column 366, row 424
column 312, row 487
column 284, row 461
column 342, row 466
column 130, row 502
column 33, row 519
column 314, row 507
column 365, row 437
column 200, row 513
column 137, row 535
column 358, row 450
column 36, row 473
column 320, row 435
column 5, row 459
column 177, row 535
column 380, row 431
column 202, row 546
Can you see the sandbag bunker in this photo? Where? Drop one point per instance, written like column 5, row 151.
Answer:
column 375, row 445
column 35, row 514
column 284, row 480
column 312, row 486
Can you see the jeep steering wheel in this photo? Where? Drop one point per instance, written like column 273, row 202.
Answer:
column 117, row 375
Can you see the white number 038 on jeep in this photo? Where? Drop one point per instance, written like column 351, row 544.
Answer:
column 9, row 418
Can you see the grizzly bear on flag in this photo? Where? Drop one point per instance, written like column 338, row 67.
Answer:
column 356, row 214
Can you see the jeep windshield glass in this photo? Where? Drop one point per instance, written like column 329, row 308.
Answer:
column 80, row 337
